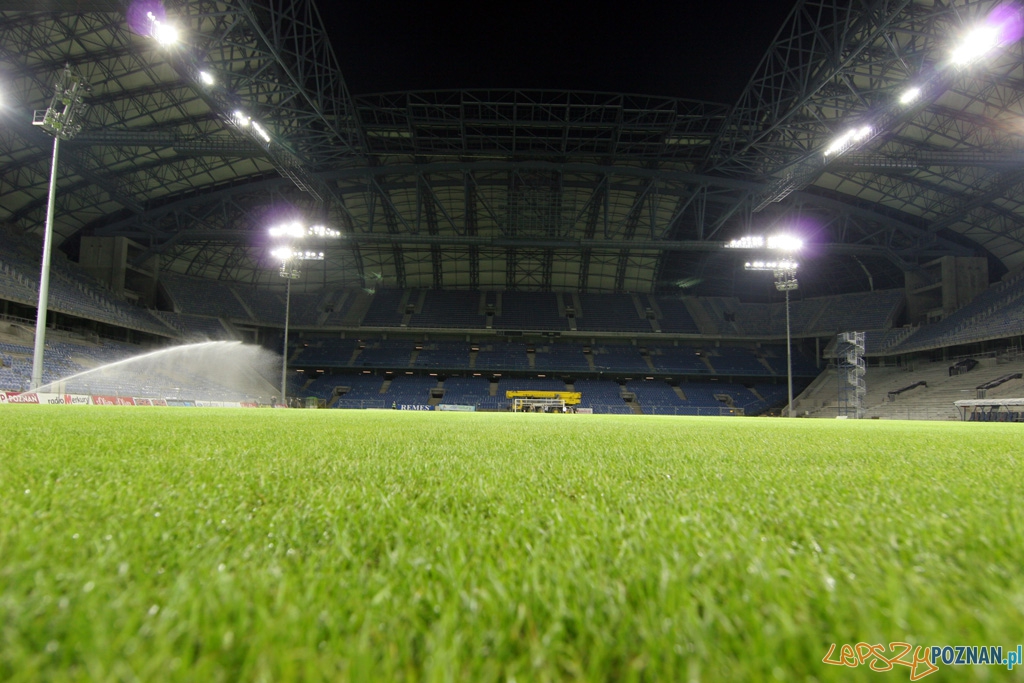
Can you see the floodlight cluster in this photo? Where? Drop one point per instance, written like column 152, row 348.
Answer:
column 976, row 44
column 285, row 254
column 1001, row 26
column 748, row 242
column 784, row 264
column 297, row 230
column 844, row 141
column 780, row 242
column 322, row 231
column 164, row 33
column 294, row 231
column 785, row 243
column 167, row 34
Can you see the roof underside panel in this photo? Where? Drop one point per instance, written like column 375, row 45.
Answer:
column 519, row 189
column 946, row 161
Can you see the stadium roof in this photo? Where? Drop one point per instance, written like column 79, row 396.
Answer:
column 519, row 189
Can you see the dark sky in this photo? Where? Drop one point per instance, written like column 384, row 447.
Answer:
column 700, row 50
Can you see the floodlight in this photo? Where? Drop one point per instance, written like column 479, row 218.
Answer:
column 975, row 45
column 260, row 131
column 322, row 231
column 841, row 143
column 206, row 77
column 293, row 229
column 749, row 242
column 164, row 33
column 910, row 95
column 838, row 144
column 240, row 119
column 784, row 264
column 785, row 243
column 283, row 254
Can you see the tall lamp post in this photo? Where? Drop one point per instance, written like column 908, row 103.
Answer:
column 290, row 269
column 61, row 121
column 785, row 281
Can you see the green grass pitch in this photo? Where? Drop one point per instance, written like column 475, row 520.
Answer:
column 172, row 544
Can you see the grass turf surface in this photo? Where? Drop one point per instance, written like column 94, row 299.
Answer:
column 223, row 545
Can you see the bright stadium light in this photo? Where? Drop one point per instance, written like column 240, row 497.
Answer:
column 294, row 230
column 240, row 119
column 164, row 33
column 846, row 140
column 264, row 135
column 779, row 242
column 290, row 258
column 976, row 44
column 785, row 243
column 282, row 254
column 207, row 78
column 748, row 242
column 322, row 231
column 784, row 264
column 910, row 95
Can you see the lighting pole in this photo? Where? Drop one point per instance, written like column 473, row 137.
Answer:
column 290, row 270
column 61, row 121
column 785, row 281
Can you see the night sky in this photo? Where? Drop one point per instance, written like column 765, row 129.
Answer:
column 705, row 51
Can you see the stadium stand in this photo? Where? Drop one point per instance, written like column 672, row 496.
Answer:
column 325, row 352
column 443, row 355
column 410, row 390
column 996, row 313
column 387, row 354
column 529, row 311
column 384, row 308
column 71, row 290
column 502, row 356
column 614, row 358
column 561, row 357
column 684, row 360
column 932, row 402
column 610, row 313
column 675, row 317
column 198, row 296
column 470, row 391
column 449, row 309
column 601, row 396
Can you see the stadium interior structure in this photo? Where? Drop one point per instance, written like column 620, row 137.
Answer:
column 517, row 240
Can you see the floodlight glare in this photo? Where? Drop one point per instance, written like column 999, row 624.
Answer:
column 293, row 229
column 841, row 143
column 749, row 242
column 784, row 264
column 165, row 34
column 322, row 231
column 264, row 135
column 206, row 77
column 283, row 254
column 975, row 45
column 785, row 243
column 910, row 95
column 240, row 118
